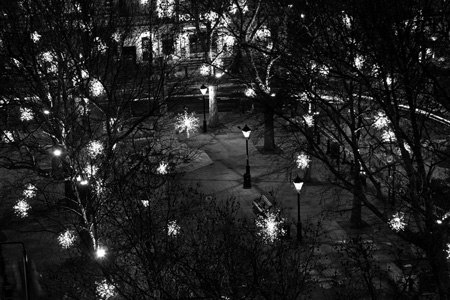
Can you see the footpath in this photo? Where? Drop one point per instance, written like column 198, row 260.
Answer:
column 219, row 168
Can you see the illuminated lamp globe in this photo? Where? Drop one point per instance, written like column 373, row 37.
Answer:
column 246, row 131
column 203, row 89
column 298, row 183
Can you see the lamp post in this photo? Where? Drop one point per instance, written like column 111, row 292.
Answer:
column 24, row 266
column 247, row 178
column 298, row 184
column 204, row 89
column 389, row 160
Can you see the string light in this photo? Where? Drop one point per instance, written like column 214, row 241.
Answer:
column 359, row 62
column 309, row 120
column 249, row 92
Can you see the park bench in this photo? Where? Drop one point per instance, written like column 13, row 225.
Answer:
column 262, row 205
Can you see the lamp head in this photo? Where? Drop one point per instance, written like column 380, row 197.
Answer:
column 203, row 89
column 100, row 252
column 246, row 131
column 298, row 183
column 57, row 151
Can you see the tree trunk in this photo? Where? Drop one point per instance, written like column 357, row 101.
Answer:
column 438, row 261
column 213, row 118
column 269, row 132
column 356, row 215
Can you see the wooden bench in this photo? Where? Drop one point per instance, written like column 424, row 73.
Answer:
column 262, row 205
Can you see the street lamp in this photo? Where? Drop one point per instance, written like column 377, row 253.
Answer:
column 25, row 271
column 247, row 178
column 298, row 184
column 204, row 89
column 391, row 174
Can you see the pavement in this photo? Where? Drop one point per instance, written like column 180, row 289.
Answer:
column 221, row 163
column 217, row 164
column 219, row 170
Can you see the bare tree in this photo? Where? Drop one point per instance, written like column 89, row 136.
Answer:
column 78, row 103
column 366, row 69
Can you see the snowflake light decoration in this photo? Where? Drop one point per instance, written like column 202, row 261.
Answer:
column 26, row 114
column 388, row 136
column 186, row 122
column 381, row 120
column 205, row 70
column 270, row 227
column 105, row 289
column 162, row 169
column 397, row 222
column 96, row 88
column 95, row 148
column 21, row 208
column 309, row 120
column 303, row 161
column 66, row 239
column 145, row 203
column 7, row 136
column 35, row 37
column 173, row 228
column 30, row 191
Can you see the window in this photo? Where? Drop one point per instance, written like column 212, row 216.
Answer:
column 129, row 53
column 195, row 44
column 145, row 42
column 167, row 44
